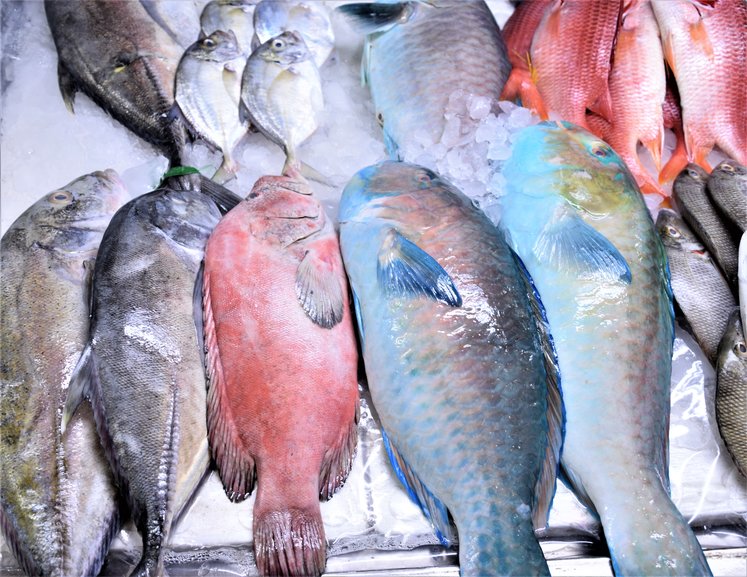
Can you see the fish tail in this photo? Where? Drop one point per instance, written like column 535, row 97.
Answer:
column 655, row 146
column 226, row 171
column 676, row 163
column 150, row 565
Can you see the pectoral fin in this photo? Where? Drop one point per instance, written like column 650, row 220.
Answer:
column 406, row 270
column 318, row 290
column 68, row 88
column 80, row 385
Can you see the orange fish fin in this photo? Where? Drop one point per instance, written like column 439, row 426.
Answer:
column 520, row 86
column 655, row 146
column 236, row 467
column 289, row 542
column 338, row 460
column 699, row 36
column 318, row 286
column 700, row 157
column 676, row 163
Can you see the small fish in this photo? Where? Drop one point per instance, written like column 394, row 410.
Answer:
column 731, row 391
column 689, row 192
column 281, row 93
column 178, row 18
column 454, row 364
column 727, row 185
column 58, row 502
column 234, row 15
column 699, row 288
column 208, row 92
column 282, row 363
column 575, row 216
column 310, row 19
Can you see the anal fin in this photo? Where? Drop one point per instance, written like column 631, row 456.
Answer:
column 338, row 460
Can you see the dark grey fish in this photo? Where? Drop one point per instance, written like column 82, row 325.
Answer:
column 116, row 54
column 689, row 192
column 699, row 288
column 727, row 185
column 731, row 391
column 58, row 503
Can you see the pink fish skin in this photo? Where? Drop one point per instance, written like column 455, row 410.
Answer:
column 571, row 53
column 282, row 362
column 705, row 45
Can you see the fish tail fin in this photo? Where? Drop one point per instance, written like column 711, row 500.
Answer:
column 226, row 171
column 676, row 163
column 294, row 167
column 150, row 565
column 654, row 146
column 338, row 461
column 700, row 157
column 521, row 86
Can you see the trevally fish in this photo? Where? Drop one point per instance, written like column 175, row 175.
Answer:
column 117, row 54
column 689, row 192
column 731, row 391
column 234, row 15
column 727, row 185
column 282, row 363
column 178, row 18
column 281, row 93
column 577, row 220
column 454, row 364
column 418, row 54
column 58, row 502
column 208, row 92
column 142, row 367
column 310, row 19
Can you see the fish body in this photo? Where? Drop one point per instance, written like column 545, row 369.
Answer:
column 731, row 391
column 58, row 502
column 282, row 363
column 418, row 54
column 576, row 218
column 208, row 92
column 119, row 56
column 453, row 363
column 690, row 194
column 178, row 18
column 707, row 51
column 572, row 64
column 309, row 19
column 727, row 185
column 281, row 92
column 143, row 367
column 234, row 15
column 742, row 277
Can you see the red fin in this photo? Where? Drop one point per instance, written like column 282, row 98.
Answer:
column 289, row 542
column 700, row 157
column 520, row 85
column 676, row 163
column 655, row 146
column 338, row 460
column 236, row 467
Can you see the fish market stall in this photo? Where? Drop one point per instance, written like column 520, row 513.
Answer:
column 372, row 526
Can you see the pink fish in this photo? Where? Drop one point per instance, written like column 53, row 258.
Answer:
column 282, row 362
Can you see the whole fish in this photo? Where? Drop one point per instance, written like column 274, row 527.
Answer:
column 454, row 364
column 571, row 55
column 576, row 218
column 178, row 18
column 234, row 15
column 309, row 19
column 281, row 93
column 727, row 185
column 208, row 92
column 58, row 503
column 142, row 367
column 689, row 192
column 282, row 363
column 418, row 54
column 706, row 48
column 119, row 56
column 731, row 391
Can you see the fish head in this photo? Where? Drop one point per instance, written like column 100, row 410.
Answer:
column 730, row 169
column 675, row 234
column 220, row 46
column 733, row 347
column 285, row 49
column 691, row 176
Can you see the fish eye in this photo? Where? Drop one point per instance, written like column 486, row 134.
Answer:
column 693, row 173
column 423, row 180
column 208, row 42
column 61, row 197
column 278, row 44
column 673, row 232
column 740, row 349
column 727, row 167
column 599, row 150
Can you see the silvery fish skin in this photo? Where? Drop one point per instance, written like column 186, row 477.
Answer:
column 699, row 288
column 727, row 185
column 234, row 15
column 690, row 194
column 143, row 367
column 418, row 54
column 576, row 218
column 178, row 18
column 281, row 92
column 208, row 91
column 309, row 19
column 124, row 61
column 731, row 391
column 453, row 362
column 58, row 515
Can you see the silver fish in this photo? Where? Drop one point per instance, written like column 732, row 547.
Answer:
column 178, row 18
column 234, row 15
column 727, row 186
column 58, row 514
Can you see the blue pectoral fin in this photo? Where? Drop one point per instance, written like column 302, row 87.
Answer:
column 79, row 387
column 392, row 148
column 569, row 244
column 372, row 17
column 432, row 507
column 406, row 270
column 358, row 317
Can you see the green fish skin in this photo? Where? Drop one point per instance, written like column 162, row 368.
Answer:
column 573, row 213
column 58, row 502
column 454, row 364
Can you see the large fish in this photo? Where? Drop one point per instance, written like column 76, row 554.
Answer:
column 418, row 54
column 282, row 363
column 727, row 185
column 576, row 218
column 124, row 61
column 58, row 508
column 454, row 363
column 142, row 367
column 705, row 45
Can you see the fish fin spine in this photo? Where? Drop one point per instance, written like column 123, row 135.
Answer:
column 23, row 557
column 339, row 459
column 290, row 542
column 318, row 288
